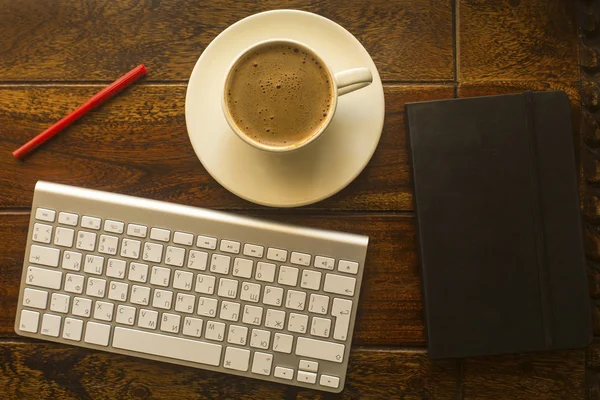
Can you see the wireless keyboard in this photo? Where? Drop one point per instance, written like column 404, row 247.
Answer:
column 190, row 286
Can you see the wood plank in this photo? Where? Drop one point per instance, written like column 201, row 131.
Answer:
column 35, row 369
column 390, row 308
column 138, row 144
column 593, row 371
column 517, row 40
column 105, row 39
column 540, row 376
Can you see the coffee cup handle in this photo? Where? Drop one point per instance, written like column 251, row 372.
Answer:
column 352, row 79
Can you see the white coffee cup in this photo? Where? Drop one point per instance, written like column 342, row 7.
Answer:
column 343, row 83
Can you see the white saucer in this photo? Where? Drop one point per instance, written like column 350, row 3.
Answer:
column 307, row 175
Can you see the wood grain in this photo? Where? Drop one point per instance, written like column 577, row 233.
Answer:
column 517, row 40
column 593, row 371
column 138, row 144
column 100, row 40
column 542, row 376
column 42, row 370
column 390, row 308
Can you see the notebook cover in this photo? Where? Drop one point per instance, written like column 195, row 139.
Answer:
column 499, row 226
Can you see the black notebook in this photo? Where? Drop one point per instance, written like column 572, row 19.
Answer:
column 499, row 226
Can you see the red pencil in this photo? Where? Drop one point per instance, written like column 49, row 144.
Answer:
column 93, row 102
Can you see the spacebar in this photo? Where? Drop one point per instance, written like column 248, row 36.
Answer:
column 167, row 346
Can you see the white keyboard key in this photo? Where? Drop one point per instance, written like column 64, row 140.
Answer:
column 162, row 235
column 252, row 250
column 95, row 287
column 252, row 315
column 108, row 244
column 320, row 327
column 274, row 319
column 185, row 303
column 170, row 323
column 207, row 306
column 236, row 359
column 220, row 264
column 192, row 327
column 273, row 296
column 138, row 272
column 44, row 278
column 349, row 267
column 86, row 240
column 320, row 350
column 140, row 295
column 229, row 246
column 284, row 373
column 64, row 237
column 186, row 239
column 115, row 268
column 162, row 299
column 137, row 230
column 282, row 343
column 242, row 268
column 147, row 319
column 205, row 284
column 339, row 284
column 230, row 311
column 307, row 377
column 318, row 304
column 29, row 321
column 44, row 255
column 160, row 276
column 71, row 260
column 310, row 366
column 42, row 233
column 66, row 218
column 51, row 325
column 130, row 248
column 311, row 280
column 250, row 292
column 206, row 242
column 60, row 303
column 74, row 283
column 167, row 346
column 298, row 323
column 324, row 262
column 262, row 363
column 96, row 333
column 103, row 310
column 118, row 291
column 276, row 254
column 300, row 259
column 81, row 307
column 265, row 272
column 152, row 252
column 175, row 256
column 113, row 226
column 73, row 328
column 183, row 280
column 295, row 300
column 35, row 298
column 329, row 381
column 341, row 310
column 43, row 214
column 215, row 331
column 197, row 260
column 288, row 276
column 237, row 335
column 228, row 288
column 125, row 315
column 93, row 264
column 90, row 222
column 260, row 339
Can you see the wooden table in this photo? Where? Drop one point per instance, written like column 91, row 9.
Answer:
column 55, row 54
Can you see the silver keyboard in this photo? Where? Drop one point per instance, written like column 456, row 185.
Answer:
column 190, row 286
